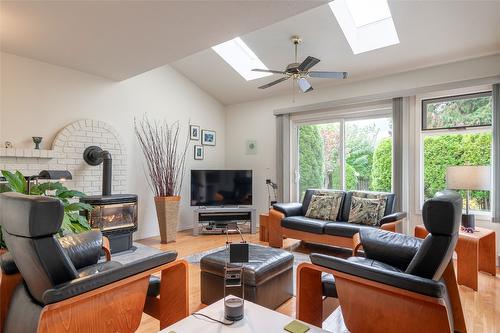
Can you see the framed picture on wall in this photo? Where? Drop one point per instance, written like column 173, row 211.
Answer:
column 199, row 153
column 208, row 138
column 194, row 132
column 251, row 147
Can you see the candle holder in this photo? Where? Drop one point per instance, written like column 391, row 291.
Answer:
column 37, row 140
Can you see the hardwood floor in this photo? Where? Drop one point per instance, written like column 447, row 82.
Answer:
column 481, row 308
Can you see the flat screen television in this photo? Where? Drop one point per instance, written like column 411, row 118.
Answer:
column 221, row 187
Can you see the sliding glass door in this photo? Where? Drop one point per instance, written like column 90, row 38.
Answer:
column 319, row 156
column 343, row 153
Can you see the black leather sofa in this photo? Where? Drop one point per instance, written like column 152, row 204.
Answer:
column 288, row 220
column 63, row 278
column 412, row 279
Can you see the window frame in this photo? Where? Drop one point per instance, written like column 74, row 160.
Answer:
column 338, row 116
column 425, row 102
column 422, row 133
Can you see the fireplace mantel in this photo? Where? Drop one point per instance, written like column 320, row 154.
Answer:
column 27, row 153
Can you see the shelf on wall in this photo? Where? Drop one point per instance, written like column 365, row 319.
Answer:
column 26, row 153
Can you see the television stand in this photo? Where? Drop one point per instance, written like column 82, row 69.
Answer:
column 212, row 220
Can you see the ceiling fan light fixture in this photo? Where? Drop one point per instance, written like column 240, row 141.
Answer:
column 304, row 85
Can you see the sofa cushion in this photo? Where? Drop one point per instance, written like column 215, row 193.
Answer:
column 324, row 206
column 346, row 205
column 344, row 229
column 328, row 284
column 323, row 192
column 365, row 211
column 303, row 223
column 374, row 195
column 328, row 280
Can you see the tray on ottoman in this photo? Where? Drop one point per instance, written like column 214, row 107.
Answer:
column 268, row 276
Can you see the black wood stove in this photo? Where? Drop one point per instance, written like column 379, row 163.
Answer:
column 114, row 214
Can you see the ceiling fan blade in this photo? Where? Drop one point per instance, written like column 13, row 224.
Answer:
column 267, row 71
column 304, row 85
column 328, row 75
column 270, row 84
column 309, row 62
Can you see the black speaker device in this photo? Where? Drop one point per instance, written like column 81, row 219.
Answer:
column 234, row 307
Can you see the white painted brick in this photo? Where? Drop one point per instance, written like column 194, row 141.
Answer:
column 75, row 144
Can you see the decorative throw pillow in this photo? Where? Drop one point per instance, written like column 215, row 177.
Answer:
column 337, row 201
column 323, row 207
column 365, row 211
column 369, row 195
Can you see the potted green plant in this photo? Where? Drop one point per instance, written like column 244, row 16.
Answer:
column 165, row 159
column 73, row 221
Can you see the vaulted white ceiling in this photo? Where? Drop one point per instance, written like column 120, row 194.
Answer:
column 430, row 33
column 120, row 39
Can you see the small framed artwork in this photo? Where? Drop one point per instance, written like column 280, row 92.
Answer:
column 251, row 147
column 198, row 152
column 208, row 138
column 194, row 132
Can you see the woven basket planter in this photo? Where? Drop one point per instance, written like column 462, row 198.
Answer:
column 167, row 211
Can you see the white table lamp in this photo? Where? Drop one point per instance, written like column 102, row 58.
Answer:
column 468, row 178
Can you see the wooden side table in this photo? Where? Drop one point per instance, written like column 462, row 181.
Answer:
column 263, row 228
column 475, row 252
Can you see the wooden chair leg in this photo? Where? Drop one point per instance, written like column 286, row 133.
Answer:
column 456, row 305
column 173, row 303
column 309, row 295
column 8, row 284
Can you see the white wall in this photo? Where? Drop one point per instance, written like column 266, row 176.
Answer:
column 255, row 120
column 38, row 99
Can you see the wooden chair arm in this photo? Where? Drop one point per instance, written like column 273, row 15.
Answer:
column 402, row 304
column 356, row 244
column 392, row 226
column 106, row 247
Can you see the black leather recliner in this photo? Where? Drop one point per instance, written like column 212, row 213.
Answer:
column 56, row 270
column 399, row 268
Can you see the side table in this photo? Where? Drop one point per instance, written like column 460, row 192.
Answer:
column 475, row 252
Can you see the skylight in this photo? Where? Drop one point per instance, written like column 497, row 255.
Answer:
column 367, row 24
column 239, row 56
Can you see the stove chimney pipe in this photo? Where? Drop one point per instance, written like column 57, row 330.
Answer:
column 94, row 156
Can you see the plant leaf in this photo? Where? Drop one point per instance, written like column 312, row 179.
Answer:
column 77, row 206
column 17, row 182
column 40, row 189
column 69, row 194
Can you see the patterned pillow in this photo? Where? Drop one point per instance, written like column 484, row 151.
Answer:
column 368, row 195
column 365, row 211
column 324, row 206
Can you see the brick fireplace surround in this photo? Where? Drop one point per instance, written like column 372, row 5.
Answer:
column 66, row 154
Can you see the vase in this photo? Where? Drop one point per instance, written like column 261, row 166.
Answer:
column 167, row 211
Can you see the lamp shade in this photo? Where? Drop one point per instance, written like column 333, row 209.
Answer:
column 468, row 178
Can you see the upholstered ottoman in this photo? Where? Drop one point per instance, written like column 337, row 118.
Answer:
column 268, row 276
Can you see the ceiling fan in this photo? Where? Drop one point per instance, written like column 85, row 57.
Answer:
column 301, row 71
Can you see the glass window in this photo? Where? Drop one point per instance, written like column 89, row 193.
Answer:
column 444, row 150
column 368, row 155
column 346, row 154
column 457, row 111
column 319, row 156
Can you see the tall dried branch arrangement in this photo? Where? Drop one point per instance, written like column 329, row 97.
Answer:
column 165, row 154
